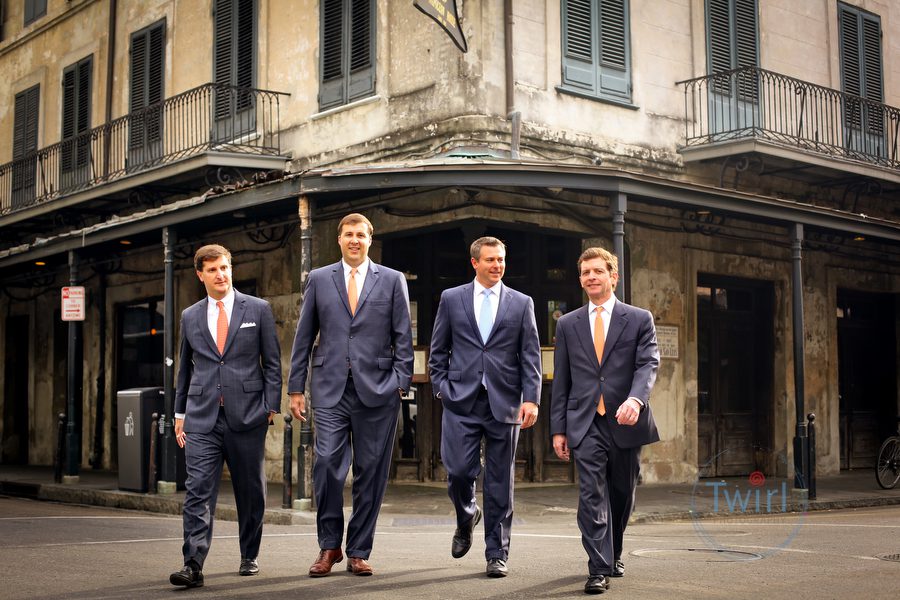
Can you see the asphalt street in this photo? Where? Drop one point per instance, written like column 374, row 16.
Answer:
column 51, row 550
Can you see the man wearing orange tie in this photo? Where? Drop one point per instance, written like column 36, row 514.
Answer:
column 605, row 365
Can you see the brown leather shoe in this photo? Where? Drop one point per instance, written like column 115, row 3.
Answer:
column 359, row 566
column 327, row 559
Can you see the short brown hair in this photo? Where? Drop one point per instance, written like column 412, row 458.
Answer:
column 353, row 219
column 612, row 263
column 475, row 248
column 209, row 252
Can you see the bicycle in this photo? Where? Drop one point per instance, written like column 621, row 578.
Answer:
column 887, row 469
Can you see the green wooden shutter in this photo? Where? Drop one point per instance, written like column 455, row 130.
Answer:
column 861, row 65
column 331, row 84
column 234, row 55
column 579, row 22
column 147, row 77
column 34, row 10
column 25, row 137
column 615, row 79
column 732, row 43
column 347, row 51
column 362, row 70
column 76, row 114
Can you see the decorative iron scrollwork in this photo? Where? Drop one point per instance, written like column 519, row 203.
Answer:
column 701, row 221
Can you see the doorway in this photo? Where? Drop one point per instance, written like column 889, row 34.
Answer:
column 734, row 375
column 15, row 392
column 867, row 374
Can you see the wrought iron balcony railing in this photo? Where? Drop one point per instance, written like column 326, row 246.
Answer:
column 211, row 117
column 754, row 103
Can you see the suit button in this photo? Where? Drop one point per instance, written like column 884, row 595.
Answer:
column 221, row 362
column 218, row 386
column 603, row 379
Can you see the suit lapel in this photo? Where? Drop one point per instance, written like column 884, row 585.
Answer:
column 583, row 333
column 467, row 298
column 237, row 317
column 617, row 322
column 370, row 283
column 505, row 301
column 202, row 323
column 337, row 275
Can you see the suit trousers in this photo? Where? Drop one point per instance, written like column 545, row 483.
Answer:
column 461, row 452
column 205, row 453
column 371, row 432
column 622, row 475
column 594, row 522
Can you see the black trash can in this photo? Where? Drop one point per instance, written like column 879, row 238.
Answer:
column 135, row 407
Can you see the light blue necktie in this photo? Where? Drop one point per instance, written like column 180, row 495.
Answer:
column 486, row 317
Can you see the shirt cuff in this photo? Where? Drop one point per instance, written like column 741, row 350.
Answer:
column 638, row 400
column 179, row 416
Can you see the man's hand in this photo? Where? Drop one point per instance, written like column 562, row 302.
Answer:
column 298, row 406
column 528, row 414
column 628, row 412
column 179, row 432
column 561, row 446
column 271, row 417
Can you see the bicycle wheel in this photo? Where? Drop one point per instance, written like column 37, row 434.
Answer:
column 887, row 471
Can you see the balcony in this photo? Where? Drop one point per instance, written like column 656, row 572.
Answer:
column 171, row 142
column 801, row 129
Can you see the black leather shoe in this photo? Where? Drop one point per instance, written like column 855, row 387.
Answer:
column 596, row 585
column 189, row 576
column 496, row 567
column 249, row 566
column 462, row 538
column 618, row 569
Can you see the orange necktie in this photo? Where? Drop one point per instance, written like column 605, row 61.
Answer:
column 352, row 294
column 221, row 327
column 599, row 339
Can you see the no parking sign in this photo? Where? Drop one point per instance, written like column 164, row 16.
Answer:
column 73, row 303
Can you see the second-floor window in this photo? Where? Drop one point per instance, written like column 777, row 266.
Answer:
column 34, row 10
column 731, row 31
column 596, row 52
column 234, row 66
column 76, row 119
column 25, row 141
column 347, row 51
column 145, row 126
column 861, row 75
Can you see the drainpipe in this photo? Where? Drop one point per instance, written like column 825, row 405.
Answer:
column 514, row 116
column 110, row 74
column 801, row 441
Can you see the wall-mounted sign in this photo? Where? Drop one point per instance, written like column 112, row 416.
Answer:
column 445, row 14
column 667, row 340
column 73, row 303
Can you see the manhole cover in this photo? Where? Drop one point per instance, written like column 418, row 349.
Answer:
column 889, row 557
column 698, row 554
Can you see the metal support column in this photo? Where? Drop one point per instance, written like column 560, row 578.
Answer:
column 619, row 207
column 305, row 451
column 74, row 386
column 169, row 460
column 801, row 441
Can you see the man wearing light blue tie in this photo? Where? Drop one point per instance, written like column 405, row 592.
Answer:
column 485, row 367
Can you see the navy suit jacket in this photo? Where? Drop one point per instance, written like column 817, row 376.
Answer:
column 628, row 369
column 247, row 376
column 376, row 342
column 510, row 361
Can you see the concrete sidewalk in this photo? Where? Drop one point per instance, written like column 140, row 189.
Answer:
column 427, row 503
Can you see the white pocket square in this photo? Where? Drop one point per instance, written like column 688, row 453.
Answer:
column 248, row 325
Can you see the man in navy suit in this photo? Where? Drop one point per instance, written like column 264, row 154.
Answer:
column 604, row 367
column 485, row 369
column 358, row 371
column 228, row 390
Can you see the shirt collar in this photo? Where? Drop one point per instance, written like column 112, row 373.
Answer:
column 362, row 269
column 607, row 306
column 228, row 300
column 479, row 289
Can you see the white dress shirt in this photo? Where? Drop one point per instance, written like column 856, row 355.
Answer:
column 494, row 298
column 361, row 272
